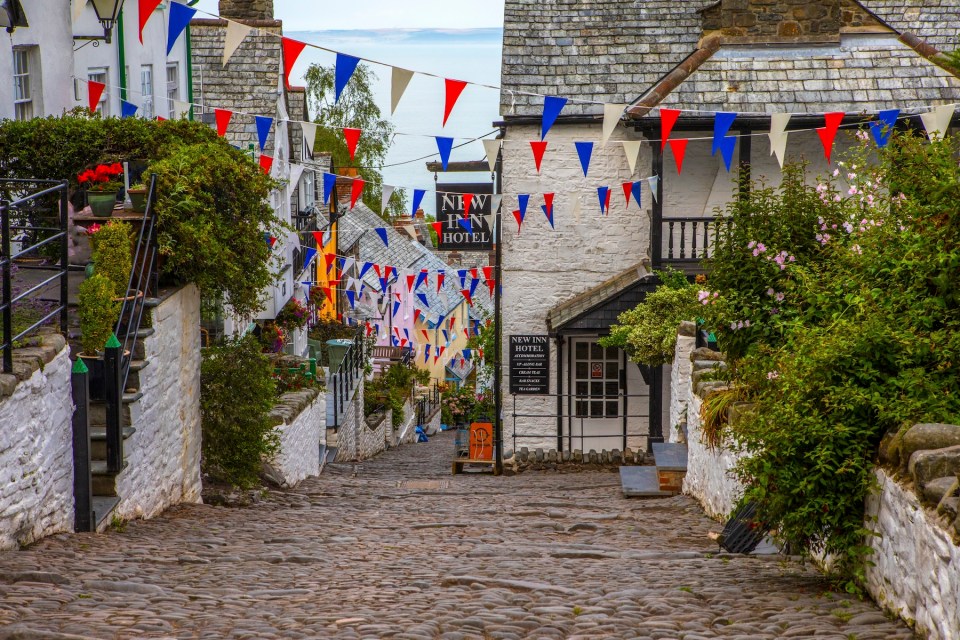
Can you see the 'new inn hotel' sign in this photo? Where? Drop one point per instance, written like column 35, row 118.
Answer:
column 475, row 236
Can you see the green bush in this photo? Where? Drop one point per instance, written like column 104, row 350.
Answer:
column 237, row 392
column 392, row 389
column 212, row 213
column 98, row 310
column 112, row 244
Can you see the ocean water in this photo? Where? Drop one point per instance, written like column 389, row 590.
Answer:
column 472, row 55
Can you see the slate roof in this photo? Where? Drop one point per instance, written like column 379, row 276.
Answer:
column 578, row 306
column 865, row 73
column 612, row 51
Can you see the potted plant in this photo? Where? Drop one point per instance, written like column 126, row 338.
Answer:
column 98, row 310
column 138, row 197
column 102, row 184
column 292, row 316
column 111, row 254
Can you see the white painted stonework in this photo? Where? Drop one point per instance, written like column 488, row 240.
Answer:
column 372, row 441
column 36, row 456
column 163, row 455
column 680, row 382
column 300, row 442
column 351, row 422
column 710, row 476
column 916, row 565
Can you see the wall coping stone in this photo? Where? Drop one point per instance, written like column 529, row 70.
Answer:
column 291, row 404
column 40, row 350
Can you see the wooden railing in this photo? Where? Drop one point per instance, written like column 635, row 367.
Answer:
column 689, row 239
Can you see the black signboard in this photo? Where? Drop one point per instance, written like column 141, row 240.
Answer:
column 530, row 365
column 477, row 233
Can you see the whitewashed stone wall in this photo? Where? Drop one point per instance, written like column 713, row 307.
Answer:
column 680, row 378
column 915, row 562
column 302, row 432
column 372, row 438
column 36, row 455
column 163, row 455
column 710, row 476
column 351, row 422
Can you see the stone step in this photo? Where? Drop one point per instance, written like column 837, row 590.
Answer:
column 98, row 410
column 104, row 482
column 98, row 441
column 103, row 507
column 641, row 482
column 670, row 456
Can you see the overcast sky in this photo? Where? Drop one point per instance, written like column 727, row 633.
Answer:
column 310, row 15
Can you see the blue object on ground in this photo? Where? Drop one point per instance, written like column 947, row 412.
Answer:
column 422, row 435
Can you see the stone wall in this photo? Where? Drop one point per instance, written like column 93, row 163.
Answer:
column 913, row 570
column 247, row 9
column 680, row 373
column 777, row 19
column 351, row 422
column 302, row 417
column 372, row 436
column 36, row 447
column 163, row 455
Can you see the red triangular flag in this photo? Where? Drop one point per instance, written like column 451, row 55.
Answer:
column 94, row 92
column 329, row 259
column 318, row 236
column 627, row 188
column 454, row 89
column 356, row 191
column 487, row 273
column 679, row 148
column 416, row 315
column 147, row 7
column 467, row 201
column 266, row 162
column 435, row 358
column 606, row 204
column 491, row 284
column 161, row 119
column 410, row 279
column 668, row 118
column 519, row 218
column 223, row 120
column 442, row 349
column 466, row 294
column 441, row 276
column 539, row 147
column 352, row 136
column 438, row 227
column 453, row 321
column 426, row 335
column 291, row 51
column 474, row 273
column 829, row 132
column 328, row 292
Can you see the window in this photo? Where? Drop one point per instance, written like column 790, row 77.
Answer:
column 100, row 75
column 173, row 87
column 597, row 380
column 22, row 87
column 146, row 91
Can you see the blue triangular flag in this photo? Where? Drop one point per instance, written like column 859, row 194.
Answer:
column 473, row 286
column 396, row 307
column 466, row 224
column 549, row 213
column 602, row 193
column 180, row 16
column 382, row 232
column 463, row 277
column 421, row 278
column 263, row 129
column 127, row 109
column 329, row 182
column 417, row 199
column 522, row 201
column 552, row 106
column 468, row 354
column 309, row 253
column 445, row 145
column 423, row 298
column 721, row 125
column 446, row 336
column 882, row 129
column 426, row 354
column 637, row 191
column 584, row 150
column 345, row 67
column 351, row 297
column 363, row 270
column 727, row 145
column 306, row 289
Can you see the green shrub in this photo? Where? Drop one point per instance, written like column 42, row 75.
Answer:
column 112, row 244
column 392, row 389
column 212, row 213
column 237, row 392
column 98, row 311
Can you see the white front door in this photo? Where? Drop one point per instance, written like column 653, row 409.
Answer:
column 596, row 418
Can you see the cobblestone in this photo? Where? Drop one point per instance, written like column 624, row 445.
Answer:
column 372, row 557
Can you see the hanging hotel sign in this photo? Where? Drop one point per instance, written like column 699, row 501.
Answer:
column 530, row 365
column 472, row 232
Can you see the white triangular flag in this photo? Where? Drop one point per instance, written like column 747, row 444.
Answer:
column 495, row 203
column 296, row 170
column 632, row 149
column 937, row 122
column 347, row 264
column 654, row 182
column 180, row 109
column 492, row 149
column 236, row 32
column 399, row 80
column 611, row 118
column 386, row 192
column 77, row 9
column 778, row 135
column 351, row 283
column 309, row 134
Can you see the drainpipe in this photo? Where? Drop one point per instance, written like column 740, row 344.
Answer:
column 121, row 57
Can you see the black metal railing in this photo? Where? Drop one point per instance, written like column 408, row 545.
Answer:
column 690, row 239
column 142, row 283
column 345, row 379
column 427, row 404
column 33, row 222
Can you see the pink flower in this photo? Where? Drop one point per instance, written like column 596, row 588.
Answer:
column 773, row 375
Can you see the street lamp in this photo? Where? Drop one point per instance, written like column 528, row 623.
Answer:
column 11, row 15
column 107, row 12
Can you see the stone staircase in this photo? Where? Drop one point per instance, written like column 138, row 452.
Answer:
column 662, row 480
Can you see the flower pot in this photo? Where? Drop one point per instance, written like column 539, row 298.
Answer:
column 89, row 269
column 102, row 202
column 138, row 200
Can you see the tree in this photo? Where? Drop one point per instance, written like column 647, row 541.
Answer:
column 356, row 109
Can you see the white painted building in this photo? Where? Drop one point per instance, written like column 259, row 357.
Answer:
column 45, row 68
column 572, row 281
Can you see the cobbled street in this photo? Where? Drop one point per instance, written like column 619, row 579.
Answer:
column 399, row 548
